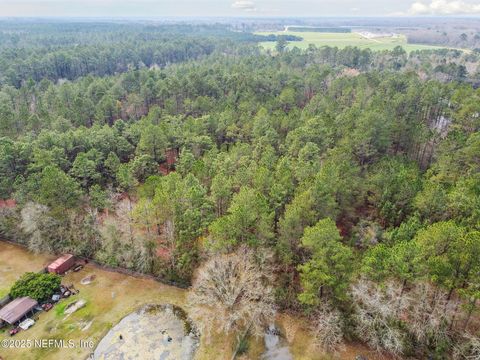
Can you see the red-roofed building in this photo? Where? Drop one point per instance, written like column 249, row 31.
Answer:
column 62, row 264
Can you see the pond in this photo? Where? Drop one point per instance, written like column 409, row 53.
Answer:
column 160, row 332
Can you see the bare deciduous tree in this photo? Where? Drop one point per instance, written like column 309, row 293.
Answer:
column 124, row 218
column 231, row 293
column 376, row 314
column 124, row 243
column 429, row 312
column 425, row 312
column 469, row 349
column 327, row 329
column 38, row 225
column 30, row 214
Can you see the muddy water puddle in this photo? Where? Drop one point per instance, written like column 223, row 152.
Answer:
column 276, row 347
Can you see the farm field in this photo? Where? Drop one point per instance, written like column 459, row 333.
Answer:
column 110, row 297
column 343, row 40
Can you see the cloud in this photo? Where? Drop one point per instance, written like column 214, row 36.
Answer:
column 244, row 5
column 444, row 7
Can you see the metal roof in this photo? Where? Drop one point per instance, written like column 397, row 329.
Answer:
column 16, row 309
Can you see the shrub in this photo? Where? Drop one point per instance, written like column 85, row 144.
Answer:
column 38, row 286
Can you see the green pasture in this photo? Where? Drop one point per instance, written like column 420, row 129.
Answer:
column 342, row 40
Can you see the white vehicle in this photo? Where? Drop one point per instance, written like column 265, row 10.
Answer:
column 25, row 325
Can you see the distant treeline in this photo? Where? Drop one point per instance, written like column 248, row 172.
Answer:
column 71, row 50
column 273, row 37
column 320, row 29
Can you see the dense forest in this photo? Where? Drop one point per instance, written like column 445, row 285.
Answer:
column 347, row 182
column 66, row 51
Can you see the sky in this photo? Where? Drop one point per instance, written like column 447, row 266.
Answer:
column 236, row 8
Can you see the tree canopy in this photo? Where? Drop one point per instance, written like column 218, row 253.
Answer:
column 162, row 148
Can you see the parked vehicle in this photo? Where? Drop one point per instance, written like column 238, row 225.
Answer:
column 47, row 306
column 26, row 324
column 78, row 268
column 14, row 331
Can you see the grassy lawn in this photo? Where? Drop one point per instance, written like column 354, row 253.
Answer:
column 12, row 266
column 110, row 297
column 342, row 40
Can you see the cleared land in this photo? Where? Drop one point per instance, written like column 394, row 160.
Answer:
column 13, row 266
column 342, row 40
column 110, row 297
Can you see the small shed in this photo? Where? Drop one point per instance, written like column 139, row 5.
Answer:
column 17, row 309
column 62, row 264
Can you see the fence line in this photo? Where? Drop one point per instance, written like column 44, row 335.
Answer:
column 133, row 273
column 116, row 269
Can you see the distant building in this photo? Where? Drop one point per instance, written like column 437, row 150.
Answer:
column 62, row 264
column 17, row 309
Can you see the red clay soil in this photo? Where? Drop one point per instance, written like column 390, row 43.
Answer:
column 163, row 253
column 343, row 228
column 8, row 203
column 171, row 155
column 163, row 169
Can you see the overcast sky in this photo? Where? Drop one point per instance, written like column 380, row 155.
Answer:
column 310, row 8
